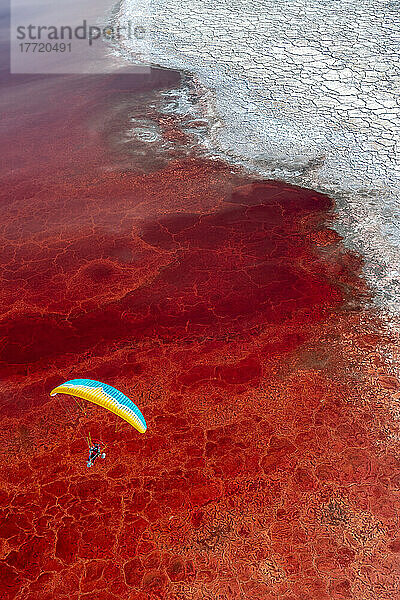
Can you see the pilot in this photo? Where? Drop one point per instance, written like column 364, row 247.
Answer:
column 94, row 453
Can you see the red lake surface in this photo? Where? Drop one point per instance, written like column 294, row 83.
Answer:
column 230, row 312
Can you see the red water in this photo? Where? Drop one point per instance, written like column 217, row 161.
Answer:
column 230, row 312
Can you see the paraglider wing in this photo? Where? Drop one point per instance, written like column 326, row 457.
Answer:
column 106, row 396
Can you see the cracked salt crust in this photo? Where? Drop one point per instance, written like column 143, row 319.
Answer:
column 306, row 91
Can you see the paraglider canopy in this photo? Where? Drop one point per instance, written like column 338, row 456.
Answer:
column 106, row 396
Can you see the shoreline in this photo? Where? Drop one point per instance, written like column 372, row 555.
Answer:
column 229, row 309
column 367, row 202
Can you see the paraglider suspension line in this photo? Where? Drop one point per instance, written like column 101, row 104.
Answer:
column 86, row 433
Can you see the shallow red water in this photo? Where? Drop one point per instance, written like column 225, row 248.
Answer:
column 231, row 313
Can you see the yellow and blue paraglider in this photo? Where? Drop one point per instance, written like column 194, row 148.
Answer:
column 106, row 396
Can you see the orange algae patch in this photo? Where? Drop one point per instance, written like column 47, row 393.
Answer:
column 234, row 318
